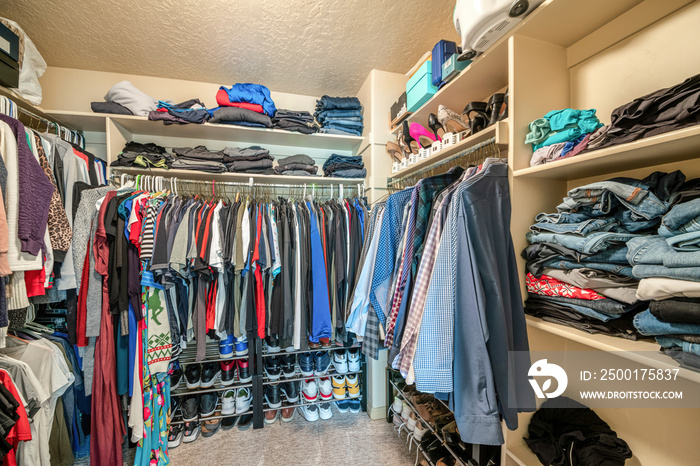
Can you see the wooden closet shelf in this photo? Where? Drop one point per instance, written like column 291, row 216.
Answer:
column 522, row 456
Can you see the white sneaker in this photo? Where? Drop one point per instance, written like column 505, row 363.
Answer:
column 228, row 402
column 419, row 431
column 340, row 362
column 310, row 412
column 354, row 360
column 309, row 388
column 243, row 400
column 326, row 389
column 398, row 404
column 324, row 411
column 411, row 424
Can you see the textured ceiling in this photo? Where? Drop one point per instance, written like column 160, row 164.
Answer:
column 297, row 46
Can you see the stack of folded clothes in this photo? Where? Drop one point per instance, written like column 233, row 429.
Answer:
column 668, row 264
column 344, row 166
column 339, row 115
column 561, row 134
column 135, row 154
column 239, row 116
column 580, row 259
column 198, row 158
column 253, row 159
column 189, row 111
column 299, row 121
column 296, row 165
column 125, row 95
column 254, row 97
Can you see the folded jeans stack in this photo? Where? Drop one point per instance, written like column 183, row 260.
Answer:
column 254, row 97
column 340, row 115
column 560, row 134
column 344, row 166
column 190, row 111
column 580, row 272
column 254, row 159
column 296, row 165
column 299, row 121
column 135, row 154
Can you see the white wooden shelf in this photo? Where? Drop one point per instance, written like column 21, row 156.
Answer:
column 239, row 177
column 644, row 352
column 669, row 147
column 521, row 456
column 83, row 121
column 499, row 131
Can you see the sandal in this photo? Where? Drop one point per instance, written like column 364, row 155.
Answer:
column 422, row 135
column 480, row 119
column 451, row 120
column 394, row 151
column 436, row 126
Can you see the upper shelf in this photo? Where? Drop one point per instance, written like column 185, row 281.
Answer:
column 138, row 125
column 669, row 147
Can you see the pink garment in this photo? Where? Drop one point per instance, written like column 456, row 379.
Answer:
column 580, row 147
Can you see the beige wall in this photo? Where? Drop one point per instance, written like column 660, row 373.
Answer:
column 73, row 90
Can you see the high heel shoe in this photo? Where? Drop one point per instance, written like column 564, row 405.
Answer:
column 435, row 125
column 451, row 120
column 494, row 107
column 394, row 151
column 418, row 132
column 408, row 139
column 476, row 113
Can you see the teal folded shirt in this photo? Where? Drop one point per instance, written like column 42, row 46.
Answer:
column 564, row 126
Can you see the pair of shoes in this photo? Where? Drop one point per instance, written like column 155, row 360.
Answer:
column 311, row 389
column 228, row 372
column 271, row 416
column 244, row 398
column 285, row 364
column 210, row 427
column 230, row 346
column 290, row 390
column 228, row 402
column 245, row 421
column 314, row 412
column 203, row 375
column 314, row 363
column 175, row 373
column 274, row 391
column 195, row 407
column 230, row 422
column 271, row 344
column 340, row 383
column 345, row 405
column 346, row 361
column 191, row 431
column 324, row 342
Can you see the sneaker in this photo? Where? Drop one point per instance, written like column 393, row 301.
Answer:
column 175, row 374
column 210, row 373
column 340, row 362
column 228, row 402
column 190, row 409
column 406, row 411
column 175, row 403
column 191, row 431
column 310, row 412
column 354, row 359
column 288, row 414
column 306, row 364
column 338, row 387
column 193, row 375
column 273, row 344
column 354, row 406
column 309, row 389
column 245, row 421
column 210, row 427
column 342, row 406
column 419, row 431
column 243, row 399
column 325, row 388
column 271, row 416
column 397, row 405
column 175, row 435
column 411, row 424
column 207, row 404
column 324, row 411
column 241, row 346
column 273, row 368
column 325, row 342
column 243, row 371
column 322, row 362
column 229, row 423
column 290, row 390
column 228, row 372
column 272, row 395
column 288, row 365
column 226, row 347
column 353, row 385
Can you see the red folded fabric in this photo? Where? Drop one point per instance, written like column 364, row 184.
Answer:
column 223, row 100
column 548, row 286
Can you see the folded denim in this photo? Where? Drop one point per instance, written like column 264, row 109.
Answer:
column 677, row 343
column 201, row 165
column 340, row 132
column 681, row 218
column 322, row 115
column 239, row 115
column 677, row 310
column 610, row 285
column 655, row 250
column 349, row 129
column 580, row 229
column 342, row 166
column 647, row 324
column 678, row 273
column 605, row 306
column 335, row 158
column 658, row 288
column 299, row 167
column 348, row 173
column 686, row 242
column 583, row 310
column 592, row 243
column 252, row 151
column 563, row 217
column 339, row 103
column 620, row 269
column 341, row 123
column 686, row 360
column 537, row 255
column 546, row 154
column 244, row 165
column 296, row 159
column 614, row 255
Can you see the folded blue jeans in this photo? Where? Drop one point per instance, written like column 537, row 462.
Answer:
column 682, row 218
column 340, row 103
column 686, row 242
column 341, row 132
column 670, row 342
column 332, row 122
column 606, row 306
column 679, row 273
column 593, row 243
column 647, row 324
column 621, row 269
column 600, row 195
column 580, row 228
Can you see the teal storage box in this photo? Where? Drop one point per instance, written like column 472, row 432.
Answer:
column 452, row 67
column 419, row 89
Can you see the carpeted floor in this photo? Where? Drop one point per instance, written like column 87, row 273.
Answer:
column 346, row 439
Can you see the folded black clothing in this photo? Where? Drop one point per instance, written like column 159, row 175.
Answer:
column 293, row 173
column 297, row 158
column 150, row 147
column 282, row 113
column 142, row 159
column 678, row 310
column 167, row 118
column 564, row 432
column 110, row 107
column 235, row 153
column 237, row 114
column 199, row 153
column 341, row 166
column 309, row 128
column 244, row 165
column 350, row 159
column 538, row 254
column 259, row 171
column 199, row 165
column 310, row 169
